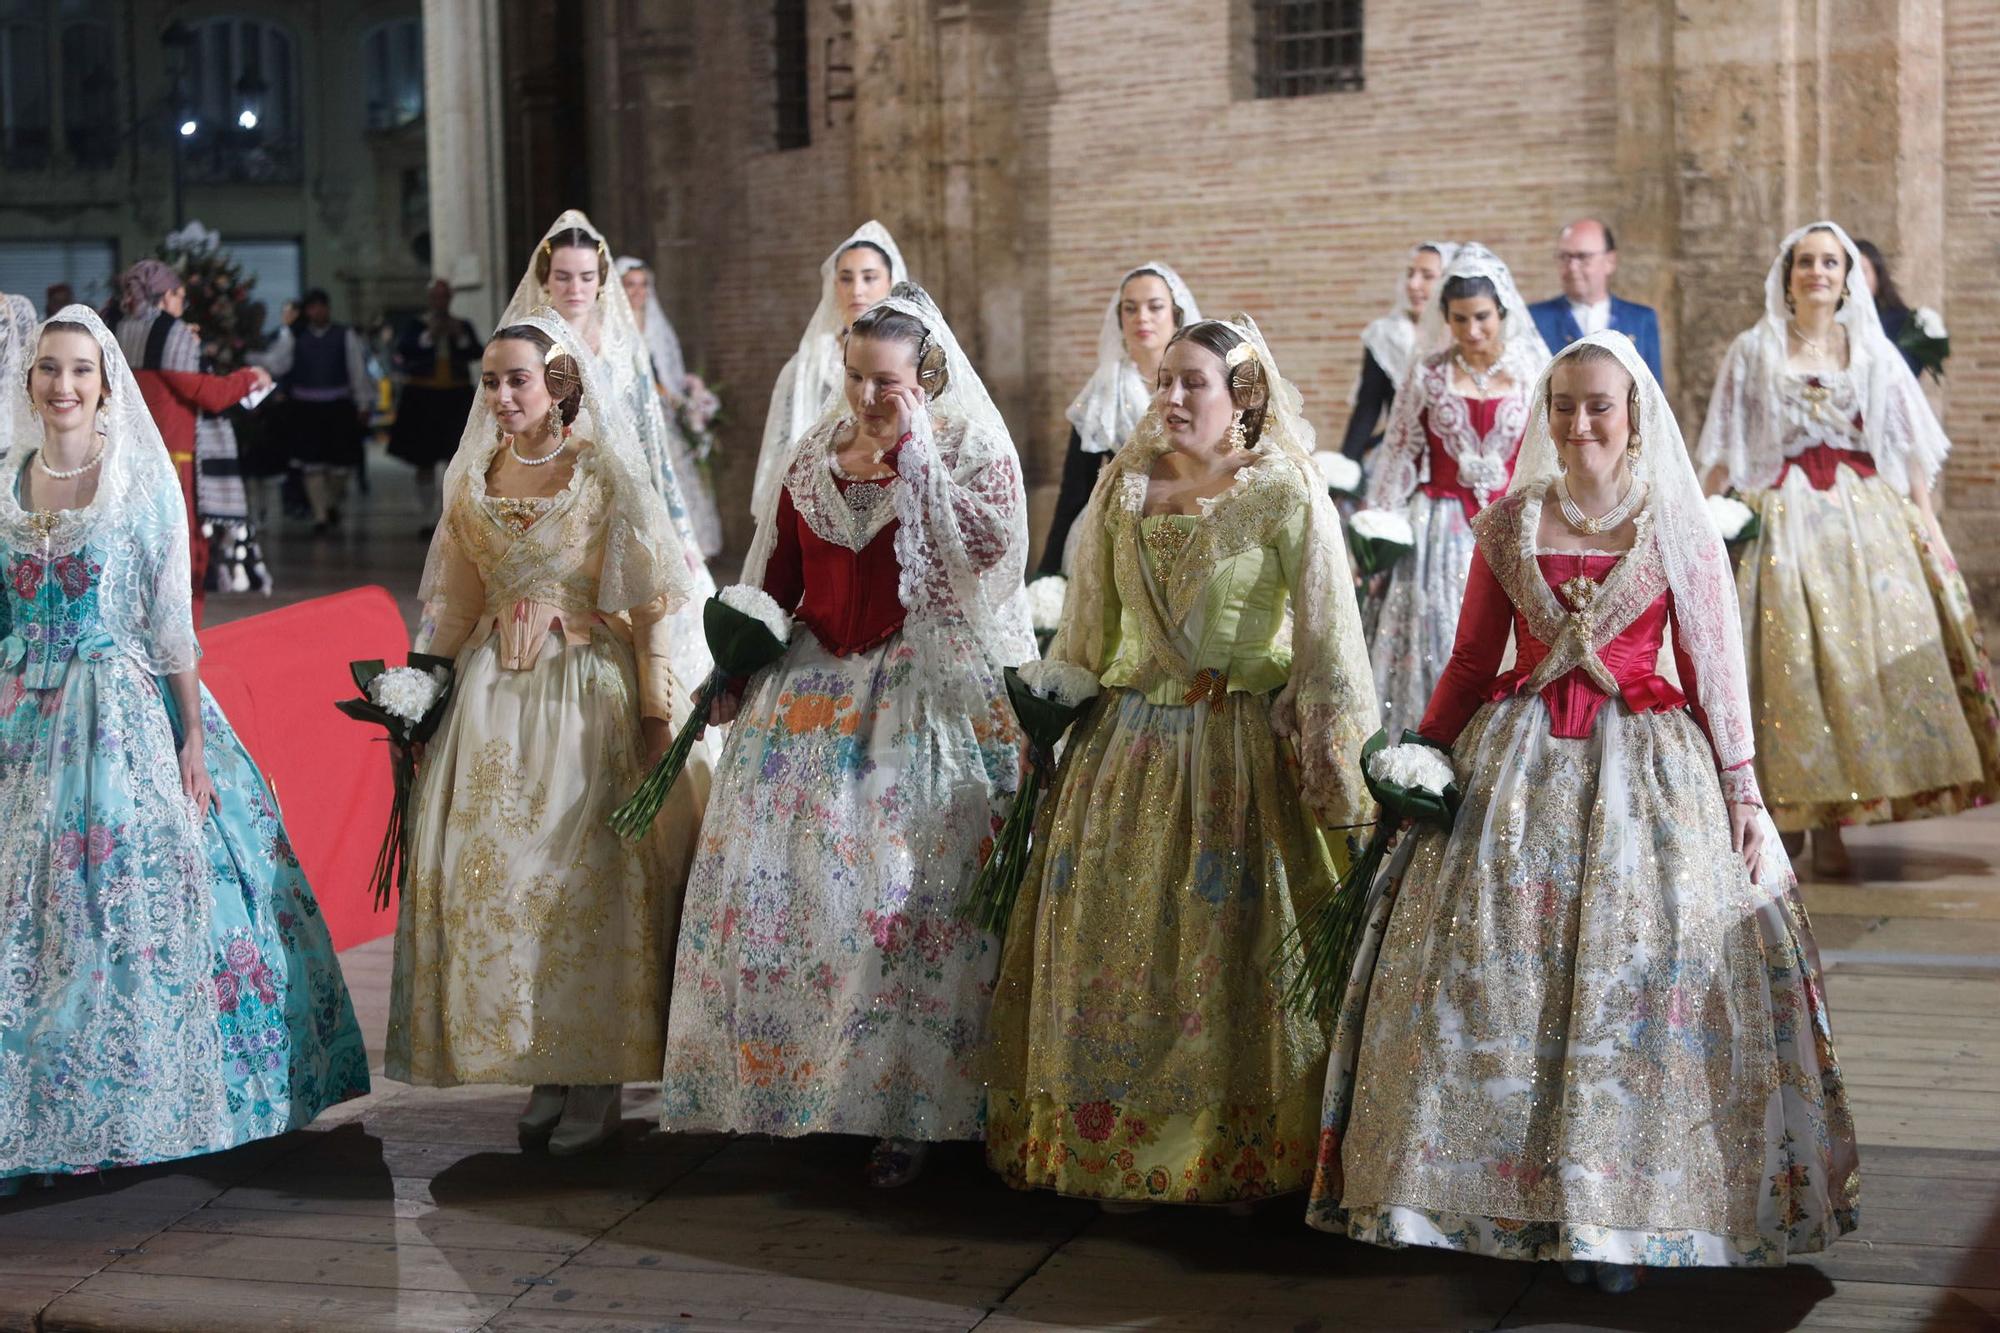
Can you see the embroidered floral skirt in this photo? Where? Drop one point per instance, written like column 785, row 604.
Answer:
column 1577, row 1030
column 1418, row 617
column 532, row 943
column 823, row 982
column 1140, row 1048
column 1868, row 675
column 169, row 989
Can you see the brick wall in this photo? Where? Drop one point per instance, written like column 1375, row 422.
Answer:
column 1971, row 304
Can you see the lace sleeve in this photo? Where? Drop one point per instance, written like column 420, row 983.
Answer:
column 1328, row 707
column 461, row 595
column 962, row 536
column 1397, row 461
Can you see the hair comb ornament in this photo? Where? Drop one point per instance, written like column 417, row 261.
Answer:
column 1240, row 353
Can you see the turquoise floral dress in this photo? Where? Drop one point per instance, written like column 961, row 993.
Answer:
column 167, row 987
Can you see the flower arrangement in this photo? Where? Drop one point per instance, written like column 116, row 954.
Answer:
column 1737, row 521
column 1341, row 474
column 1925, row 339
column 1411, row 781
column 698, row 413
column 1378, row 538
column 409, row 703
column 218, row 292
column 1045, row 607
column 1048, row 697
column 746, row 632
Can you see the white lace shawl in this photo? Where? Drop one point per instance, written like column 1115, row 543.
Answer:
column 1744, row 431
column 662, row 343
column 626, row 366
column 1399, row 465
column 137, row 521
column 17, row 333
column 643, row 555
column 1116, row 395
column 811, row 379
column 1328, row 706
column 1707, row 623
column 962, row 514
column 1391, row 338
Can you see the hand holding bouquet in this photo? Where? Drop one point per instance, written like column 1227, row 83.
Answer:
column 408, row 702
column 1377, row 539
column 1412, row 781
column 747, row 632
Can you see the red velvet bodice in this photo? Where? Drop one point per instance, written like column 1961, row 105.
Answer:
column 1444, row 482
column 847, row 598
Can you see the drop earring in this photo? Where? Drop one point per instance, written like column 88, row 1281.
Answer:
column 1238, row 437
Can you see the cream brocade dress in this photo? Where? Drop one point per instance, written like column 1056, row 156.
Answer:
column 533, row 945
column 1869, row 677
column 1141, row 1048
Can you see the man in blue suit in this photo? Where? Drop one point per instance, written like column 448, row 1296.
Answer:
column 1587, row 257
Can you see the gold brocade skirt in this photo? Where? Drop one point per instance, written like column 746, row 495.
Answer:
column 1140, row 1048
column 533, row 944
column 1869, row 681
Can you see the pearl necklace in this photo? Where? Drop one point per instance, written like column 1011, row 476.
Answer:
column 69, row 474
column 549, row 457
column 1479, row 378
column 1612, row 517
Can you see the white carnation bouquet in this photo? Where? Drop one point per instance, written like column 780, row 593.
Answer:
column 1924, row 338
column 1737, row 521
column 1378, row 538
column 408, row 702
column 747, row 631
column 1341, row 474
column 1048, row 697
column 1411, row 781
column 1045, row 607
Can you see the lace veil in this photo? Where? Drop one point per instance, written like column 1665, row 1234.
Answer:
column 1391, row 338
column 961, row 510
column 813, row 375
column 17, row 332
column 1707, row 623
column 1328, row 706
column 643, row 556
column 1115, row 397
column 664, row 345
column 1743, row 431
column 137, row 522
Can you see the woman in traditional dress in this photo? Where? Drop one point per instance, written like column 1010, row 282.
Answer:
column 1389, row 347
column 1151, row 303
column 1868, row 677
column 571, row 272
column 663, row 350
column 1141, row 1049
column 169, row 988
column 1448, row 452
column 854, row 277
column 824, row 981
column 532, row 943
column 1587, row 1021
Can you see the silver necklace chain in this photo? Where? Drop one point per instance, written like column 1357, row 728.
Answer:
column 549, row 457
column 1574, row 516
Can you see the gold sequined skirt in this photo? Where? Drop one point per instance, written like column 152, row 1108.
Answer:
column 1140, row 1049
column 1868, row 677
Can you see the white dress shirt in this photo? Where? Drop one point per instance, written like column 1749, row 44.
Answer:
column 1594, row 318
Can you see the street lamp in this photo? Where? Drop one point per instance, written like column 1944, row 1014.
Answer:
column 250, row 90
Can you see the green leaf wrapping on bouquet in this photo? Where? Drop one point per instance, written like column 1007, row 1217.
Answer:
column 741, row 645
column 1323, row 943
column 1929, row 352
column 1372, row 555
column 1751, row 531
column 365, row 671
column 989, row 904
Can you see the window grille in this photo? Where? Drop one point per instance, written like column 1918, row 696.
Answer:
column 1305, row 47
column 790, row 62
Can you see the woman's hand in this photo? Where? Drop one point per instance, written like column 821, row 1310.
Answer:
column 1746, row 836
column 910, row 401
column 261, row 378
column 657, row 734
column 195, row 782
column 724, row 709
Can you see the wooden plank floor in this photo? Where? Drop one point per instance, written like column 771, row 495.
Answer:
column 412, row 1210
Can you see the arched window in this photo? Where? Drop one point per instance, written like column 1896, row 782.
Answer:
column 90, row 93
column 24, row 85
column 243, row 98
column 392, row 62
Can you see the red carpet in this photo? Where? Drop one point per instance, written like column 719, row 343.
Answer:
column 277, row 676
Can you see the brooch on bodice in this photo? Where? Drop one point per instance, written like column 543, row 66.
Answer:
column 1165, row 542
column 1579, row 591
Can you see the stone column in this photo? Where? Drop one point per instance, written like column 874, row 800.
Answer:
column 464, row 139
